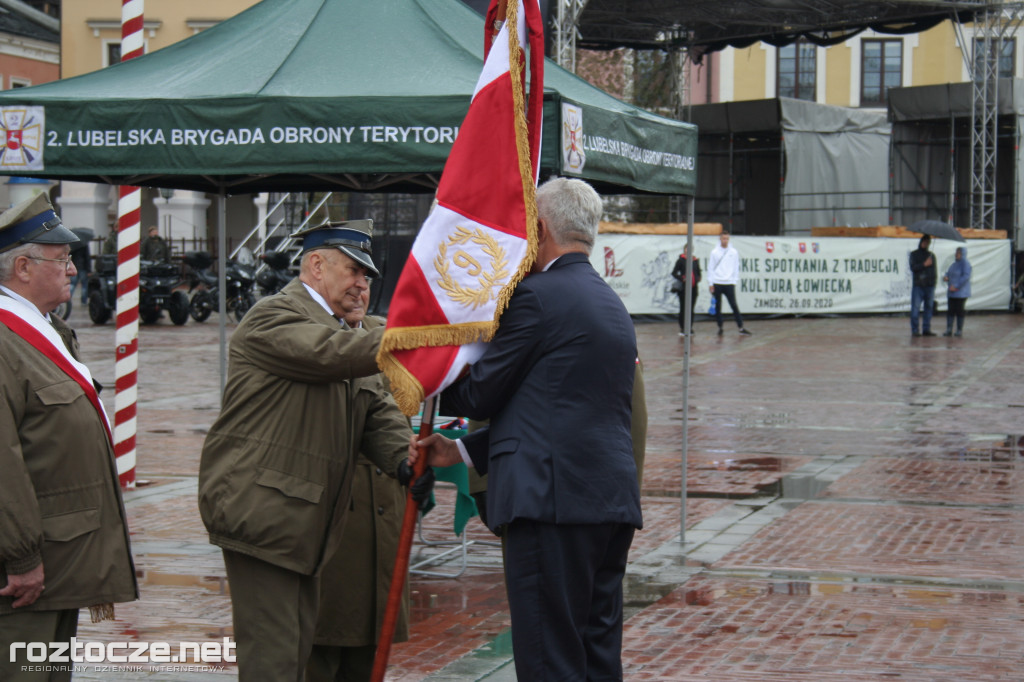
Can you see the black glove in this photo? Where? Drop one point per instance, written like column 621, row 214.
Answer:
column 421, row 487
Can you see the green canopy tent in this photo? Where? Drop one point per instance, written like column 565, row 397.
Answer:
column 319, row 95
column 303, row 95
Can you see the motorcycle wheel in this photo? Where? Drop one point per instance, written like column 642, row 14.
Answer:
column 178, row 308
column 63, row 310
column 200, row 306
column 99, row 313
column 242, row 305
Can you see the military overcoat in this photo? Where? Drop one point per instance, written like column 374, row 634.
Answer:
column 355, row 582
column 303, row 397
column 60, row 501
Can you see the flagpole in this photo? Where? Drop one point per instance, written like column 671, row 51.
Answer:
column 387, row 630
column 126, row 339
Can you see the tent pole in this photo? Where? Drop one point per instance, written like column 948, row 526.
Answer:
column 688, row 324
column 222, row 260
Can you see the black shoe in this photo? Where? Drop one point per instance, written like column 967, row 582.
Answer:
column 915, row 333
column 720, row 331
column 928, row 333
column 948, row 333
column 744, row 332
column 959, row 333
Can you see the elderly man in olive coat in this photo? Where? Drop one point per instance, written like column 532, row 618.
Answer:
column 303, row 398
column 63, row 536
column 356, row 581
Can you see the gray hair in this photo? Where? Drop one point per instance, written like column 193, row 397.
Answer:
column 7, row 259
column 572, row 210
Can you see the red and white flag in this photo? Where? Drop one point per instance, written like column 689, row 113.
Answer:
column 480, row 238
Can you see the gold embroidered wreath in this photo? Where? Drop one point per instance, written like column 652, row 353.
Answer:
column 488, row 280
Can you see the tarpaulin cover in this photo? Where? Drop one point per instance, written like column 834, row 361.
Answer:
column 835, row 165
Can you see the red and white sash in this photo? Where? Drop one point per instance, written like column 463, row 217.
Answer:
column 33, row 328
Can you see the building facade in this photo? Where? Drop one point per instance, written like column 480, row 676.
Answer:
column 29, row 55
column 857, row 72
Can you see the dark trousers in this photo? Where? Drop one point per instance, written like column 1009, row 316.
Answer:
column 35, row 626
column 341, row 663
column 273, row 611
column 729, row 291
column 682, row 308
column 956, row 311
column 564, row 585
column 922, row 304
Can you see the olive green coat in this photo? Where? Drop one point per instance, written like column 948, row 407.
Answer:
column 355, row 582
column 303, row 396
column 60, row 501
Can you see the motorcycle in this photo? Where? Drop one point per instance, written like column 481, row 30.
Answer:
column 157, row 282
column 272, row 278
column 203, row 285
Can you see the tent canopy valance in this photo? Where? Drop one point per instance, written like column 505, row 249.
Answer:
column 319, row 95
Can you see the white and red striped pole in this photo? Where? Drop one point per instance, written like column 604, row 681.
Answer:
column 129, row 208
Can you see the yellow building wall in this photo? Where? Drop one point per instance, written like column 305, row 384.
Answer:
column 83, row 46
column 937, row 58
column 750, row 68
column 838, row 75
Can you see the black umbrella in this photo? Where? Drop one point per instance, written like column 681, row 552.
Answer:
column 937, row 229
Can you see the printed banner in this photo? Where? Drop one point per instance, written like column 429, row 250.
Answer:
column 609, row 146
column 799, row 275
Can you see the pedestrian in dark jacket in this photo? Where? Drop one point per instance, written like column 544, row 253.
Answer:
column 922, row 292
column 958, row 279
column 679, row 274
column 154, row 248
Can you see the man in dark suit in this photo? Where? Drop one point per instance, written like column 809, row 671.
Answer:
column 556, row 383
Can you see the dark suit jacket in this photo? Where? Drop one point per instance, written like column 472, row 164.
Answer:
column 556, row 383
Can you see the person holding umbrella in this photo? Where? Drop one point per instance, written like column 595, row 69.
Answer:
column 925, row 274
column 958, row 279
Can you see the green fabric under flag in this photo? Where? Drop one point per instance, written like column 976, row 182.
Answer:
column 465, row 505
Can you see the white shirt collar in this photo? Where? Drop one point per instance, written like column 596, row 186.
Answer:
column 18, row 297
column 323, row 303
column 550, row 263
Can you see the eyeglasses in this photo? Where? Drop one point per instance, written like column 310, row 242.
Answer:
column 65, row 261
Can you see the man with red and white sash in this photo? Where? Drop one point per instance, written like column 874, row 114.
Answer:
column 63, row 536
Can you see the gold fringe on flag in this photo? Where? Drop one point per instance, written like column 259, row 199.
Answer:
column 101, row 612
column 516, row 60
column 405, row 387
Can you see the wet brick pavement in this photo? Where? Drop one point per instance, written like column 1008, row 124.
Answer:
column 855, row 511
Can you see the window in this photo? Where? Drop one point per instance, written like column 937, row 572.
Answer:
column 881, row 69
column 798, row 70
column 1007, row 56
column 113, row 53
column 19, row 82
